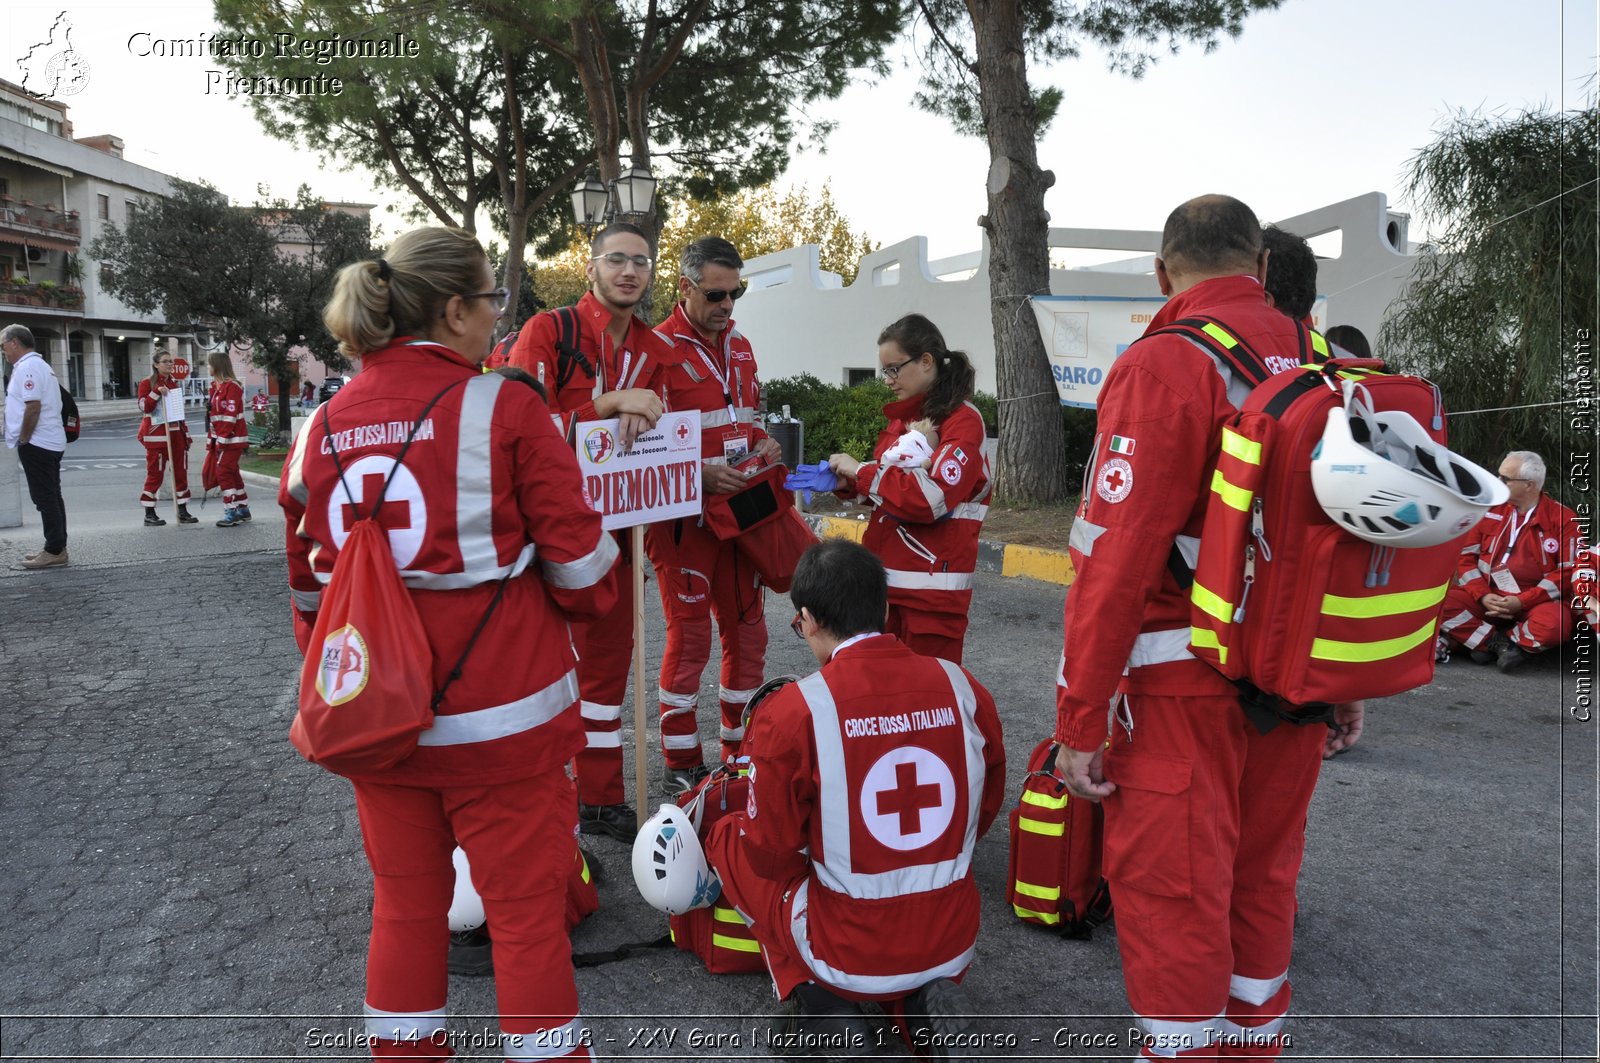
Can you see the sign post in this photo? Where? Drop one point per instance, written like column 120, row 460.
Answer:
column 658, row 478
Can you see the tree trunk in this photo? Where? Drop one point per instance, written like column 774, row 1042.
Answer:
column 1030, row 463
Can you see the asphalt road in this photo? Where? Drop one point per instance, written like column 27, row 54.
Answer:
column 178, row 884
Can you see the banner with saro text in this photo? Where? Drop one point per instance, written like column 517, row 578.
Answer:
column 658, row 478
column 1084, row 334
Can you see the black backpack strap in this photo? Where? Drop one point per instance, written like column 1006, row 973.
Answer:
column 621, row 952
column 568, row 356
column 1219, row 340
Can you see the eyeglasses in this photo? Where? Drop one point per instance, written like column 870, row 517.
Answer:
column 1514, row 479
column 794, row 625
column 717, row 295
column 890, row 372
column 501, row 297
column 616, row 260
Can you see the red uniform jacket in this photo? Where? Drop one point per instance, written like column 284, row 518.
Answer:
column 1165, row 399
column 926, row 524
column 154, row 432
column 871, row 781
column 1540, row 551
column 718, row 378
column 487, row 488
column 636, row 363
column 228, row 427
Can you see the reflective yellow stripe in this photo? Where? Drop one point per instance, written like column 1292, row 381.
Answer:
column 1384, row 604
column 1029, row 797
column 585, row 864
column 1039, row 826
column 1364, row 652
column 1240, row 447
column 1211, row 603
column 1237, row 497
column 1202, row 638
column 726, row 915
column 1044, row 893
column 1210, row 328
column 1048, row 918
column 1319, row 344
column 722, row 941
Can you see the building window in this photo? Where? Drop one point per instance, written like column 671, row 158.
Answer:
column 5, row 186
column 133, row 210
column 108, row 277
column 853, row 377
column 105, row 207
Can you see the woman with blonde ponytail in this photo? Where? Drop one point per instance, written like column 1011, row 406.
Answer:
column 486, row 520
column 928, row 481
column 228, row 436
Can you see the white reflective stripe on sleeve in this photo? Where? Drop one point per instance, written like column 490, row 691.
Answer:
column 682, row 701
column 306, row 601
column 930, row 490
column 737, row 696
column 969, row 511
column 603, row 739
column 1061, row 670
column 680, row 741
column 1083, row 535
column 732, row 734
column 475, row 474
column 410, row 1026
column 1474, row 550
column 1160, row 647
column 600, row 713
column 1168, row 1038
column 1255, row 991
column 1468, row 576
column 1189, row 549
column 485, row 725
column 866, row 983
column 554, row 1043
column 1551, row 589
column 930, row 581
column 587, row 570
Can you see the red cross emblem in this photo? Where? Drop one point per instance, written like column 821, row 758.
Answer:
column 682, row 431
column 1114, row 480
column 390, row 515
column 907, row 799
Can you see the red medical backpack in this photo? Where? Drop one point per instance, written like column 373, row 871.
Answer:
column 717, row 934
column 1054, row 879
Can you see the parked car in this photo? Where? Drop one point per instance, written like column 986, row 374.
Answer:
column 329, row 386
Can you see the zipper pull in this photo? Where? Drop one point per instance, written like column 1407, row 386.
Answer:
column 1249, row 579
column 1258, row 528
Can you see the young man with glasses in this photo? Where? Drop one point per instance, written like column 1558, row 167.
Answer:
column 701, row 575
column 612, row 373
column 1516, row 572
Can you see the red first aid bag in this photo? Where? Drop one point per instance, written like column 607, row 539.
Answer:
column 763, row 499
column 717, row 934
column 1054, row 879
column 774, row 548
column 208, row 472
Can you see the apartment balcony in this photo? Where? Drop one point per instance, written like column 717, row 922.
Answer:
column 54, row 299
column 39, row 226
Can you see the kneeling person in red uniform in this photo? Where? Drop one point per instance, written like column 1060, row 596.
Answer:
column 870, row 782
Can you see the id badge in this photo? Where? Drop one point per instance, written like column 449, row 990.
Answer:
column 735, row 449
column 1503, row 580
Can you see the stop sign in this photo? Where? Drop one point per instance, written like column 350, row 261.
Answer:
column 180, row 368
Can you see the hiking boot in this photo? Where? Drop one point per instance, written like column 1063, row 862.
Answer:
column 1510, row 657
column 241, row 514
column 184, row 518
column 615, row 820
column 230, row 519
column 152, row 519
column 45, row 559
column 675, row 781
column 941, row 1011
column 821, row 1025
column 471, row 952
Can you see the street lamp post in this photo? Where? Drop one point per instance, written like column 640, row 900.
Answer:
column 595, row 205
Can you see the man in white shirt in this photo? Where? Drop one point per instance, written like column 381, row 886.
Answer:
column 34, row 430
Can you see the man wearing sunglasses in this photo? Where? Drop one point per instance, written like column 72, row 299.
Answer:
column 701, row 575
column 612, row 373
column 1516, row 572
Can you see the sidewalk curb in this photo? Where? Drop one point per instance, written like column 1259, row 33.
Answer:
column 1008, row 559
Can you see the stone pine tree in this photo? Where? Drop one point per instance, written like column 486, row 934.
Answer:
column 1501, row 311
column 976, row 55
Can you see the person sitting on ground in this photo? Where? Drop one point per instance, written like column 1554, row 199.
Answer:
column 870, row 782
column 1517, row 565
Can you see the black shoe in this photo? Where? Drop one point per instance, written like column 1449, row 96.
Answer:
column 152, row 519
column 242, row 514
column 471, row 952
column 615, row 820
column 184, row 518
column 821, row 1025
column 675, row 781
column 942, row 1009
column 1485, row 656
column 1511, row 657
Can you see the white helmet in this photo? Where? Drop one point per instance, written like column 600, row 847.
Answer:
column 466, row 907
column 669, row 867
column 1384, row 479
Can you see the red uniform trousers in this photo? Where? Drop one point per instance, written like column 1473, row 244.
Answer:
column 155, row 468
column 519, row 840
column 1535, row 630
column 228, row 478
column 701, row 576
column 605, row 651
column 1203, row 841
column 930, row 634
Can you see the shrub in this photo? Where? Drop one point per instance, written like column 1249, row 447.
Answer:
column 838, row 420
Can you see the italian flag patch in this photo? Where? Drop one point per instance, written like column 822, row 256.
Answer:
column 1121, row 445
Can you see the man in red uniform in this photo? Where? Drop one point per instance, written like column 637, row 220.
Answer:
column 619, row 360
column 1205, row 816
column 870, row 782
column 1510, row 597
column 701, row 575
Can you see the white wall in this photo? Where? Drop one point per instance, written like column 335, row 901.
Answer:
column 800, row 319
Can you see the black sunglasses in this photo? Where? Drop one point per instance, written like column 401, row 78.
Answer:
column 717, row 295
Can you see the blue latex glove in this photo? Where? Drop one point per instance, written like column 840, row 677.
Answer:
column 816, row 478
